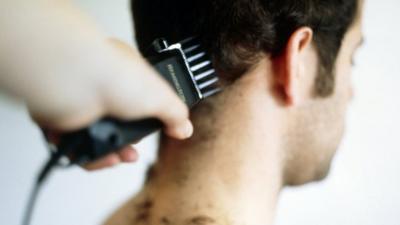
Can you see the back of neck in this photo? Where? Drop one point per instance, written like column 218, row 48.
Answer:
column 227, row 173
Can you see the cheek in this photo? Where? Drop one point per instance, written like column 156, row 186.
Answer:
column 334, row 110
column 329, row 127
column 318, row 128
column 315, row 137
column 336, row 105
column 343, row 86
column 346, row 84
column 331, row 119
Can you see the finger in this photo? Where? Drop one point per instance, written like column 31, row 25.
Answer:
column 172, row 112
column 108, row 161
column 128, row 154
column 177, row 129
column 143, row 93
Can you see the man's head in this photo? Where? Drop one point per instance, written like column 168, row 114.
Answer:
column 300, row 49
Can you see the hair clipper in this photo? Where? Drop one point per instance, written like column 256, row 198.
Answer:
column 185, row 65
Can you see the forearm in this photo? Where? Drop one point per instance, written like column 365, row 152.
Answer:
column 70, row 75
column 40, row 43
column 54, row 58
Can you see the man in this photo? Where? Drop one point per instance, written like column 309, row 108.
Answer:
column 285, row 67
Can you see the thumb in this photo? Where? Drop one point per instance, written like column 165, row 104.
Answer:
column 143, row 93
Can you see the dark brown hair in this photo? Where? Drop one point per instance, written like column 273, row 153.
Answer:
column 237, row 32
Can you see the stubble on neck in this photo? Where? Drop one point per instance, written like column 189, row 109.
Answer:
column 229, row 172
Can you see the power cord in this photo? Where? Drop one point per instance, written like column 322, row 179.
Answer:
column 43, row 175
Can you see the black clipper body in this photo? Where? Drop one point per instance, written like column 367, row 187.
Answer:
column 187, row 68
column 171, row 63
column 184, row 65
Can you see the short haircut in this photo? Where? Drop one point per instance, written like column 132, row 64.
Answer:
column 237, row 33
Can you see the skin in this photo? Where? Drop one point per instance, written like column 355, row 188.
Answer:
column 265, row 131
column 70, row 74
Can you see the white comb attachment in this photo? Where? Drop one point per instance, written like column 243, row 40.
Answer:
column 201, row 66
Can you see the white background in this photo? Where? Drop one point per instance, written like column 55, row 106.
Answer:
column 363, row 188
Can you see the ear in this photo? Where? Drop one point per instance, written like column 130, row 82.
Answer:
column 290, row 66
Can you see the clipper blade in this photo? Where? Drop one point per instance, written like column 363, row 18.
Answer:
column 187, row 67
column 201, row 67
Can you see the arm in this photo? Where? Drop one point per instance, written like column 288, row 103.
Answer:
column 70, row 74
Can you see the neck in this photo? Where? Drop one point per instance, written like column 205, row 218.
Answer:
column 229, row 172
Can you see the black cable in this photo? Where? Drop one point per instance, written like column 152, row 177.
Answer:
column 44, row 173
column 31, row 204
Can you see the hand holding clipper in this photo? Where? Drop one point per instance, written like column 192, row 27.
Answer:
column 189, row 71
column 184, row 65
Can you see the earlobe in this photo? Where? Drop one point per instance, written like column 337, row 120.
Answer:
column 291, row 66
